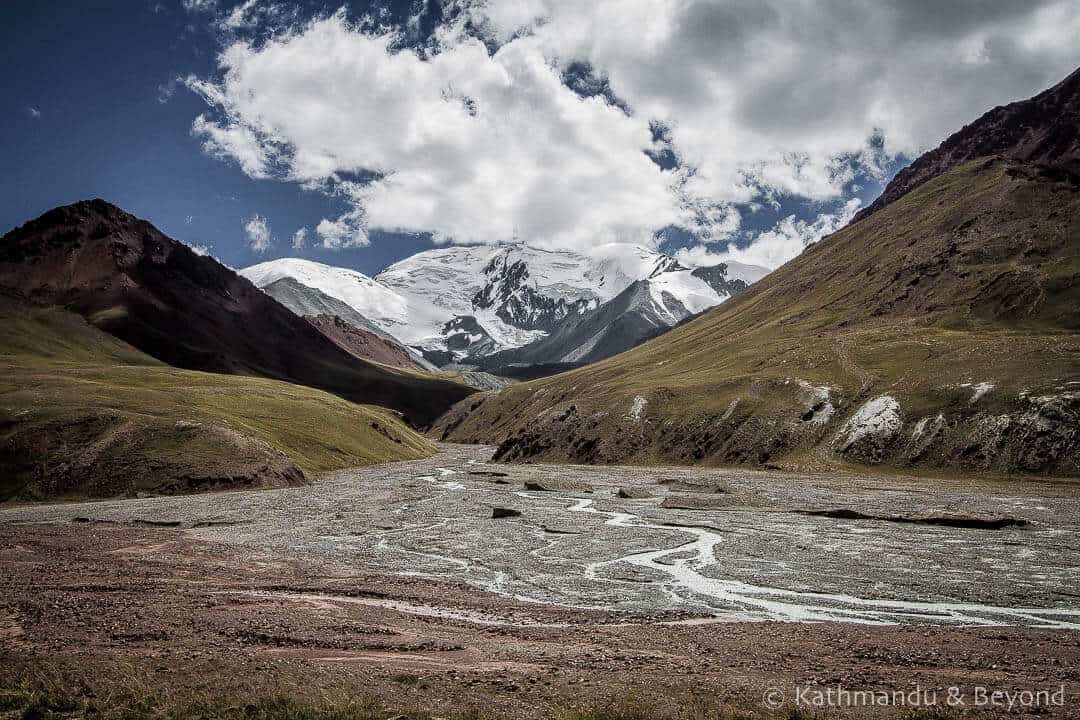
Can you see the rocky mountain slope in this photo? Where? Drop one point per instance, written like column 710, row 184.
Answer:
column 1044, row 130
column 84, row 415
column 304, row 301
column 364, row 344
column 940, row 331
column 368, row 342
column 645, row 309
column 190, row 311
column 462, row 303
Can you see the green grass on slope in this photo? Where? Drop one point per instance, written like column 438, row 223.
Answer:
column 846, row 312
column 971, row 278
column 83, row 414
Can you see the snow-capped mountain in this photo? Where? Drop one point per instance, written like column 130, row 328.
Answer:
column 376, row 302
column 317, row 306
column 520, row 304
column 646, row 308
column 459, row 302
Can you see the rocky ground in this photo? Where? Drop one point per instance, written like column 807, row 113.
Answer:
column 352, row 581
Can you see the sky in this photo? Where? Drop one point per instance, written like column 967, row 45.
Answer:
column 358, row 134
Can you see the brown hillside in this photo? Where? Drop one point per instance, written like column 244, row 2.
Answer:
column 190, row 311
column 363, row 344
column 1044, row 130
column 958, row 303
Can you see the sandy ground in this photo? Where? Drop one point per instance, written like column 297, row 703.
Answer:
column 272, row 577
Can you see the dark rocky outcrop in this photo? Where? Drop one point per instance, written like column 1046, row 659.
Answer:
column 519, row 304
column 717, row 278
column 958, row 520
column 465, row 334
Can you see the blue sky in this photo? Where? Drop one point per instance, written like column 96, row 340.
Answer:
column 97, row 74
column 488, row 135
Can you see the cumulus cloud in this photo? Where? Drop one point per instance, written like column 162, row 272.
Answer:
column 349, row 230
column 774, row 247
column 199, row 5
column 257, row 231
column 236, row 142
column 299, row 238
column 478, row 136
column 469, row 146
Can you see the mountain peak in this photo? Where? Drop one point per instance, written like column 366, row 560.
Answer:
column 130, row 280
column 86, row 243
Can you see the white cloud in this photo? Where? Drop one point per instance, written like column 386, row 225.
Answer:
column 166, row 90
column 775, row 91
column 199, row 5
column 257, row 230
column 252, row 13
column 234, row 141
column 472, row 147
column 299, row 238
column 761, row 98
column 347, row 231
column 776, row 246
column 240, row 16
column 33, row 112
column 198, row 248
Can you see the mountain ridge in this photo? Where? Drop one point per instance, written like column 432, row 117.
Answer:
column 189, row 311
column 344, row 326
column 458, row 304
column 1043, row 129
column 670, row 295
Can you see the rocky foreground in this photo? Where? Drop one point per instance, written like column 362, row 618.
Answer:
column 402, row 586
column 124, row 604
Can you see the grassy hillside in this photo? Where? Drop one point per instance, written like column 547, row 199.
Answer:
column 958, row 302
column 192, row 312
column 85, row 415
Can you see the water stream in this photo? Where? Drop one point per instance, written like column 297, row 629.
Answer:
column 681, row 575
column 737, row 600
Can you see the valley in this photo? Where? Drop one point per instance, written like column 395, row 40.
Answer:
column 867, row 349
column 726, row 545
column 515, row 360
column 369, row 575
